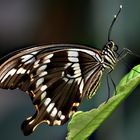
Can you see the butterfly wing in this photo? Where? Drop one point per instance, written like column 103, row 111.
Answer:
column 57, row 78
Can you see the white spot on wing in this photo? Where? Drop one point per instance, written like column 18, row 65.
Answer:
column 81, row 86
column 73, row 59
column 10, row 73
column 78, row 80
column 43, row 87
column 77, row 75
column 39, row 82
column 77, row 71
column 54, row 112
column 34, row 52
column 48, row 122
column 59, row 113
column 70, row 81
column 65, row 79
column 36, row 64
column 43, row 95
column 28, row 71
column 62, row 117
column 67, row 65
column 47, row 61
column 49, row 56
column 76, row 104
column 57, row 122
column 47, row 101
column 21, row 71
column 43, row 67
column 73, row 53
column 71, row 113
column 43, row 73
column 63, row 73
column 27, row 59
column 31, row 122
column 49, row 108
column 76, row 65
column 30, row 61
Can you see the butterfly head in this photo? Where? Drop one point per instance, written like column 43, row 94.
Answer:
column 110, row 45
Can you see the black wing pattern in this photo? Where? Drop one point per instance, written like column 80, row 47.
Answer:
column 56, row 77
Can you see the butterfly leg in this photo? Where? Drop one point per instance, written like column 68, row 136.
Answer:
column 125, row 52
column 108, row 87
column 113, row 83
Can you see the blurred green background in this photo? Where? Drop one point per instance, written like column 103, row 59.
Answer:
column 36, row 22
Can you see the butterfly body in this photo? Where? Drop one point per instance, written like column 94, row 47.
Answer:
column 57, row 78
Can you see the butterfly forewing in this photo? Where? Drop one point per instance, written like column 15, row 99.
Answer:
column 56, row 79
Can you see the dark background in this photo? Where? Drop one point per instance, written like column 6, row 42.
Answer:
column 36, row 22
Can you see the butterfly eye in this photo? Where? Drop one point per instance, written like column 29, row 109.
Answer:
column 110, row 44
column 115, row 48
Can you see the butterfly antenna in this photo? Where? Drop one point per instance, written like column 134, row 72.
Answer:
column 114, row 19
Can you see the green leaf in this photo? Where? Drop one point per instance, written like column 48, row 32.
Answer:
column 83, row 124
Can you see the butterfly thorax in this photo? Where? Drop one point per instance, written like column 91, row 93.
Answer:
column 110, row 55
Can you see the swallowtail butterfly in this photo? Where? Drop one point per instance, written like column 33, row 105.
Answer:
column 57, row 77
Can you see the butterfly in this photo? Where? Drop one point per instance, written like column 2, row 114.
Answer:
column 57, row 78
